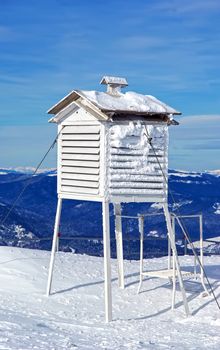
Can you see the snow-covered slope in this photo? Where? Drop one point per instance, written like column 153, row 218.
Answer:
column 73, row 316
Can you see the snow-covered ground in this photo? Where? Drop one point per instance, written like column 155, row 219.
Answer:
column 73, row 316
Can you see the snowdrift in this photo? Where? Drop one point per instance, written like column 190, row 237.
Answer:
column 73, row 317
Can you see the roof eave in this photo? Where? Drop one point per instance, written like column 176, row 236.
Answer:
column 140, row 113
column 72, row 96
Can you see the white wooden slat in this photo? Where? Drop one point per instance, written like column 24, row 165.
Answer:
column 89, row 177
column 136, row 177
column 82, row 190
column 130, row 165
column 84, row 143
column 81, row 129
column 130, row 158
column 134, row 172
column 69, row 156
column 78, row 163
column 79, row 170
column 79, row 183
column 80, row 137
column 127, row 198
column 81, row 150
column 132, row 184
column 127, row 151
column 134, row 191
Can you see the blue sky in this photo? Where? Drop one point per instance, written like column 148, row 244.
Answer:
column 170, row 49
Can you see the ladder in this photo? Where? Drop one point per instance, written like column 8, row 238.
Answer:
column 173, row 272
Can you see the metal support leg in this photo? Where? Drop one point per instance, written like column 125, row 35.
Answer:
column 173, row 222
column 119, row 244
column 169, row 248
column 201, row 255
column 107, row 261
column 174, row 284
column 58, row 243
column 185, row 246
column 141, row 230
column 54, row 245
column 175, row 257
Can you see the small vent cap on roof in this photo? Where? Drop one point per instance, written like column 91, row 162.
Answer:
column 114, row 84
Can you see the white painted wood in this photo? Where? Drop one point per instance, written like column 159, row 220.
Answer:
column 135, row 191
column 79, row 170
column 81, row 150
column 65, row 113
column 201, row 255
column 128, row 151
column 70, row 176
column 169, row 245
column 81, row 137
column 82, row 129
column 119, row 244
column 83, row 143
column 91, row 108
column 107, row 261
column 59, row 131
column 135, row 172
column 80, row 115
column 103, row 159
column 54, row 245
column 141, row 232
column 79, row 183
column 128, row 166
column 74, row 156
column 138, row 178
column 78, row 163
column 175, row 257
column 80, row 123
column 136, row 184
column 86, row 190
column 174, row 282
column 81, row 196
column 137, row 198
column 133, row 158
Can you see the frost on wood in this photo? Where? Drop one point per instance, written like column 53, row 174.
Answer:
column 134, row 166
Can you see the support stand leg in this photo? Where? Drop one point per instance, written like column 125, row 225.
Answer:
column 141, row 230
column 169, row 247
column 175, row 257
column 201, row 255
column 119, row 244
column 174, row 284
column 107, row 261
column 54, row 246
column 174, row 264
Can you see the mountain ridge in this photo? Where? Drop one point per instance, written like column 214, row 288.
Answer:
column 34, row 214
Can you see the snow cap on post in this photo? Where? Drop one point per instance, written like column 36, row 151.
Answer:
column 114, row 84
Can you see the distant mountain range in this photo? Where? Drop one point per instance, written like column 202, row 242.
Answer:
column 30, row 224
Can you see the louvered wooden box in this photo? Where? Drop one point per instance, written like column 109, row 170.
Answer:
column 92, row 166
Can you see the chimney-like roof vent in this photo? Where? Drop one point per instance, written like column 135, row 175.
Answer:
column 114, row 84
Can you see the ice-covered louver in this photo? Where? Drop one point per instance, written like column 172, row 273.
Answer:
column 112, row 147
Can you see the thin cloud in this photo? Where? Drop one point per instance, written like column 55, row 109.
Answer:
column 187, row 7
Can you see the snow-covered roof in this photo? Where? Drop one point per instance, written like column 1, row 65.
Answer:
column 129, row 102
